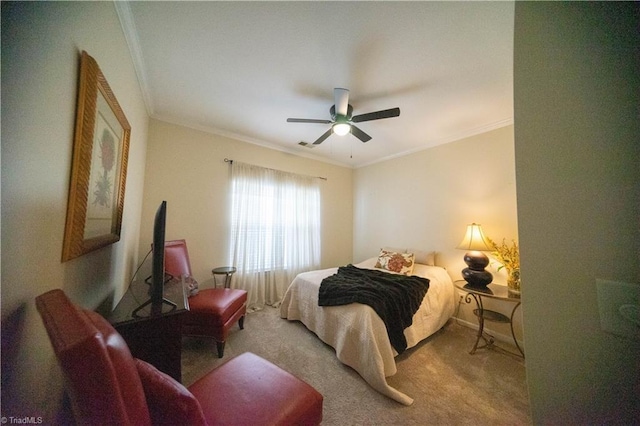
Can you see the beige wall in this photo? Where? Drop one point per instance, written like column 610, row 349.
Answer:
column 186, row 168
column 41, row 45
column 426, row 199
column 577, row 144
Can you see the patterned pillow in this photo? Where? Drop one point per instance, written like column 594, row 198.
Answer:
column 401, row 263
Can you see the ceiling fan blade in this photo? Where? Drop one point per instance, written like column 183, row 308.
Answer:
column 360, row 134
column 341, row 101
column 323, row 137
column 308, row 120
column 377, row 115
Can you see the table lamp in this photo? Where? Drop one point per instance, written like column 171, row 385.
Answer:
column 475, row 243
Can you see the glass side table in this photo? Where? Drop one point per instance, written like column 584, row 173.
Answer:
column 492, row 291
column 227, row 271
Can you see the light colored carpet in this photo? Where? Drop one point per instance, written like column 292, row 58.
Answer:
column 449, row 386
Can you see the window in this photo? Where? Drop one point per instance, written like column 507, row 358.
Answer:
column 275, row 230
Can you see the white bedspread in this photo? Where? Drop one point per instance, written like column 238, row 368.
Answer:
column 357, row 333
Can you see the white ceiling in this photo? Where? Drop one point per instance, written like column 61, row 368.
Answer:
column 240, row 69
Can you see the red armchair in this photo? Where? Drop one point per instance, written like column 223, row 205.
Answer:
column 107, row 386
column 213, row 311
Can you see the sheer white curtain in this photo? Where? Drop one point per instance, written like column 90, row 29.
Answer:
column 275, row 230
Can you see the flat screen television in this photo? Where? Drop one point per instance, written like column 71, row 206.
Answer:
column 157, row 279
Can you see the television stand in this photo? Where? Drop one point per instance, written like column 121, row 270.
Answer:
column 154, row 336
column 154, row 309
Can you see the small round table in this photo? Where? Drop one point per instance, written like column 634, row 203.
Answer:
column 227, row 271
column 493, row 291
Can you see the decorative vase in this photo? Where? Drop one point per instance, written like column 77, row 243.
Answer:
column 475, row 273
column 513, row 280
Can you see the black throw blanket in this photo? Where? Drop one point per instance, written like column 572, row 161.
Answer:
column 395, row 298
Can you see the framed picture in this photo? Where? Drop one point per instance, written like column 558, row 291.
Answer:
column 99, row 166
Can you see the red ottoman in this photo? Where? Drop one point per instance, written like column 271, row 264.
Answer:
column 234, row 393
column 212, row 312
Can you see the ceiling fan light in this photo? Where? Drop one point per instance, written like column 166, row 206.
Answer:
column 341, row 129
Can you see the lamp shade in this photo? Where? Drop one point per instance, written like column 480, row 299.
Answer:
column 474, row 239
column 475, row 243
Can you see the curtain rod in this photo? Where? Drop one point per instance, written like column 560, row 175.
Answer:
column 226, row 160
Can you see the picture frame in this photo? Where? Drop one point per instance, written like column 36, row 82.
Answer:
column 99, row 165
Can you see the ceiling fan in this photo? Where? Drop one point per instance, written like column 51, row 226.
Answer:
column 342, row 119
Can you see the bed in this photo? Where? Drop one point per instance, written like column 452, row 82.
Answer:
column 357, row 333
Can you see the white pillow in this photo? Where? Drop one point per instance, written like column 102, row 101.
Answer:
column 397, row 250
column 424, row 257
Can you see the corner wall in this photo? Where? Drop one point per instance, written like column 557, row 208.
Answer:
column 577, row 140
column 425, row 201
column 41, row 45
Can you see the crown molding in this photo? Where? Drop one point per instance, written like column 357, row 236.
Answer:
column 131, row 35
column 442, row 141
